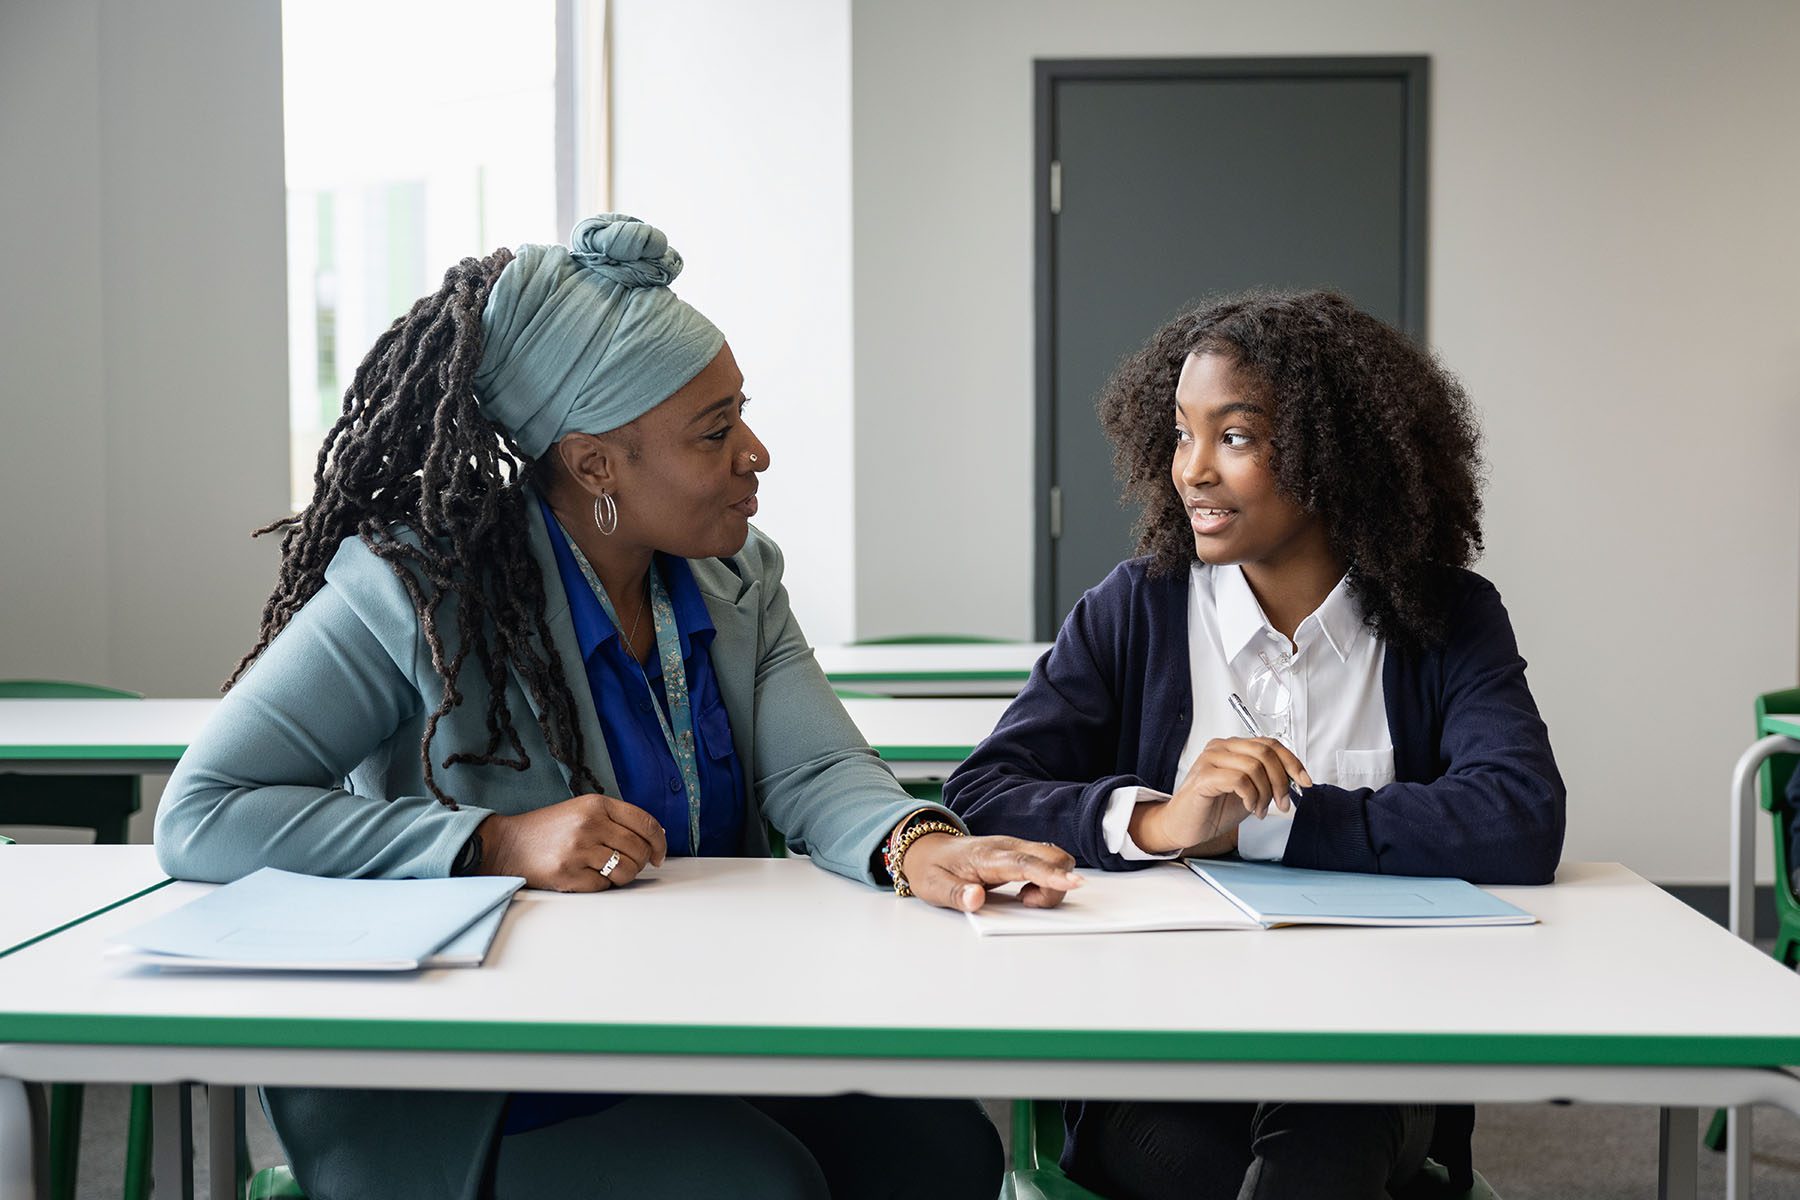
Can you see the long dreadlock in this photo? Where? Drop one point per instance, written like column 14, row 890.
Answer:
column 412, row 450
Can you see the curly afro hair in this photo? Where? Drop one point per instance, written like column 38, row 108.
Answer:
column 1370, row 433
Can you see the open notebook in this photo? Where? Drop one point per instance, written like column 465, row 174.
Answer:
column 278, row 921
column 1226, row 894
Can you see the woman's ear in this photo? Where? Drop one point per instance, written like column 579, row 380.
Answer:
column 590, row 462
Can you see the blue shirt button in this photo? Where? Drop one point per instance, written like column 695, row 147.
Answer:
column 674, row 785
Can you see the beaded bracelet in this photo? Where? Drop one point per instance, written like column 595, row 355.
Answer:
column 894, row 857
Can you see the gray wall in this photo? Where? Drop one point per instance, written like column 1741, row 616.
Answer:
column 1612, row 273
column 142, row 337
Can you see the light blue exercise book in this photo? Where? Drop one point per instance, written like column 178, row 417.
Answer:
column 1275, row 895
column 279, row 921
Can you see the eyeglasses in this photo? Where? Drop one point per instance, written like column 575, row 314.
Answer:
column 1268, row 695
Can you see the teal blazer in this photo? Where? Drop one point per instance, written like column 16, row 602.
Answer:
column 311, row 763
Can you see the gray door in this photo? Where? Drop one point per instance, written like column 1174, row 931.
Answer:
column 1164, row 183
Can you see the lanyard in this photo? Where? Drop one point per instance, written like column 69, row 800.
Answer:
column 678, row 724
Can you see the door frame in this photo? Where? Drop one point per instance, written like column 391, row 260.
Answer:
column 1414, row 75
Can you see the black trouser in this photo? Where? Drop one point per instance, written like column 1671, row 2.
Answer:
column 1138, row 1150
column 779, row 1148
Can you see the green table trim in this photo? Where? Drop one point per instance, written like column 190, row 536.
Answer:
column 924, row 753
column 50, row 933
column 1787, row 724
column 866, row 676
column 86, row 753
column 1068, row 1045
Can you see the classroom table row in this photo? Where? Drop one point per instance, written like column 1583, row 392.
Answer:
column 923, row 739
column 1584, row 1006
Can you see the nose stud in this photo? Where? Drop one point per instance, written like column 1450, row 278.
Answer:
column 753, row 460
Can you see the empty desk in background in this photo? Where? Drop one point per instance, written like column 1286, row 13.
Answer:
column 958, row 669
column 1569, row 1009
column 924, row 739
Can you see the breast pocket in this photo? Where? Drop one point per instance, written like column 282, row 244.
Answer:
column 1365, row 768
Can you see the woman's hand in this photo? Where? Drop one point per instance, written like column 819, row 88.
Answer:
column 563, row 847
column 1233, row 778
column 955, row 872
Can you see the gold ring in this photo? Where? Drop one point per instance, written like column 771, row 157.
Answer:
column 610, row 864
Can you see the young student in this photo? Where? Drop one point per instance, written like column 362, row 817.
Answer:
column 1310, row 489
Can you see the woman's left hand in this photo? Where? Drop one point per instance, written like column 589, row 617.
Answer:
column 955, row 872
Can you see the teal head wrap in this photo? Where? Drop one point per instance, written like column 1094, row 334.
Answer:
column 590, row 338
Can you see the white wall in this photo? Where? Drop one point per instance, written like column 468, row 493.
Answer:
column 142, row 337
column 1612, row 272
column 731, row 132
column 1611, row 265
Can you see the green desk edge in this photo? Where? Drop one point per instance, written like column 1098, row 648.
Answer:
column 86, row 753
column 1066, row 1045
column 928, row 676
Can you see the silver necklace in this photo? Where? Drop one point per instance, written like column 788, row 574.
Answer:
column 631, row 638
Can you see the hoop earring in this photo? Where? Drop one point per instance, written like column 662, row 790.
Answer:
column 606, row 514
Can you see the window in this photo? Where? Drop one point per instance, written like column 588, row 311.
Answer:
column 417, row 135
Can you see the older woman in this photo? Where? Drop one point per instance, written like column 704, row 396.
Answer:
column 525, row 627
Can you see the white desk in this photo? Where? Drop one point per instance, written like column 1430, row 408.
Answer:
column 964, row 669
column 1622, row 995
column 923, row 739
column 44, row 887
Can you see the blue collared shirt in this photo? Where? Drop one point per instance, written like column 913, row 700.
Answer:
column 647, row 773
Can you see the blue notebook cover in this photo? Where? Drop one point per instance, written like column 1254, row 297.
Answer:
column 1277, row 895
column 278, row 921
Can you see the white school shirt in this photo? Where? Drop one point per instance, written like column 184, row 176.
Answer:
column 1338, row 723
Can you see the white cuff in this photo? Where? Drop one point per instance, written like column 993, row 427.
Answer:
column 1266, row 840
column 1115, row 824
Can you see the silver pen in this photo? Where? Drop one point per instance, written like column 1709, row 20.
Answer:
column 1248, row 719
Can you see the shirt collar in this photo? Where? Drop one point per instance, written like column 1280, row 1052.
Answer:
column 1241, row 618
column 592, row 628
column 1341, row 618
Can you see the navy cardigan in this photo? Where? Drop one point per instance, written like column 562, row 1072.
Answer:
column 1476, row 792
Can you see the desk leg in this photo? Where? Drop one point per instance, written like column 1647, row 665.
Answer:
column 1737, row 1153
column 172, row 1122
column 224, row 1117
column 24, row 1142
column 1679, row 1169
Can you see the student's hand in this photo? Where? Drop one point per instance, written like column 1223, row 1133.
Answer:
column 1233, row 778
column 955, row 872
column 563, row 847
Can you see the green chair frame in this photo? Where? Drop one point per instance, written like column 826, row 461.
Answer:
column 274, row 1183
column 1771, row 787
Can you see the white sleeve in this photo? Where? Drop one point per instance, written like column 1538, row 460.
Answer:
column 1115, row 823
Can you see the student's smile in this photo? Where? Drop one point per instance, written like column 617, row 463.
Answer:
column 1208, row 517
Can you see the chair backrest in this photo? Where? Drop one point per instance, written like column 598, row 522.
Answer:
column 1771, row 786
column 58, row 689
